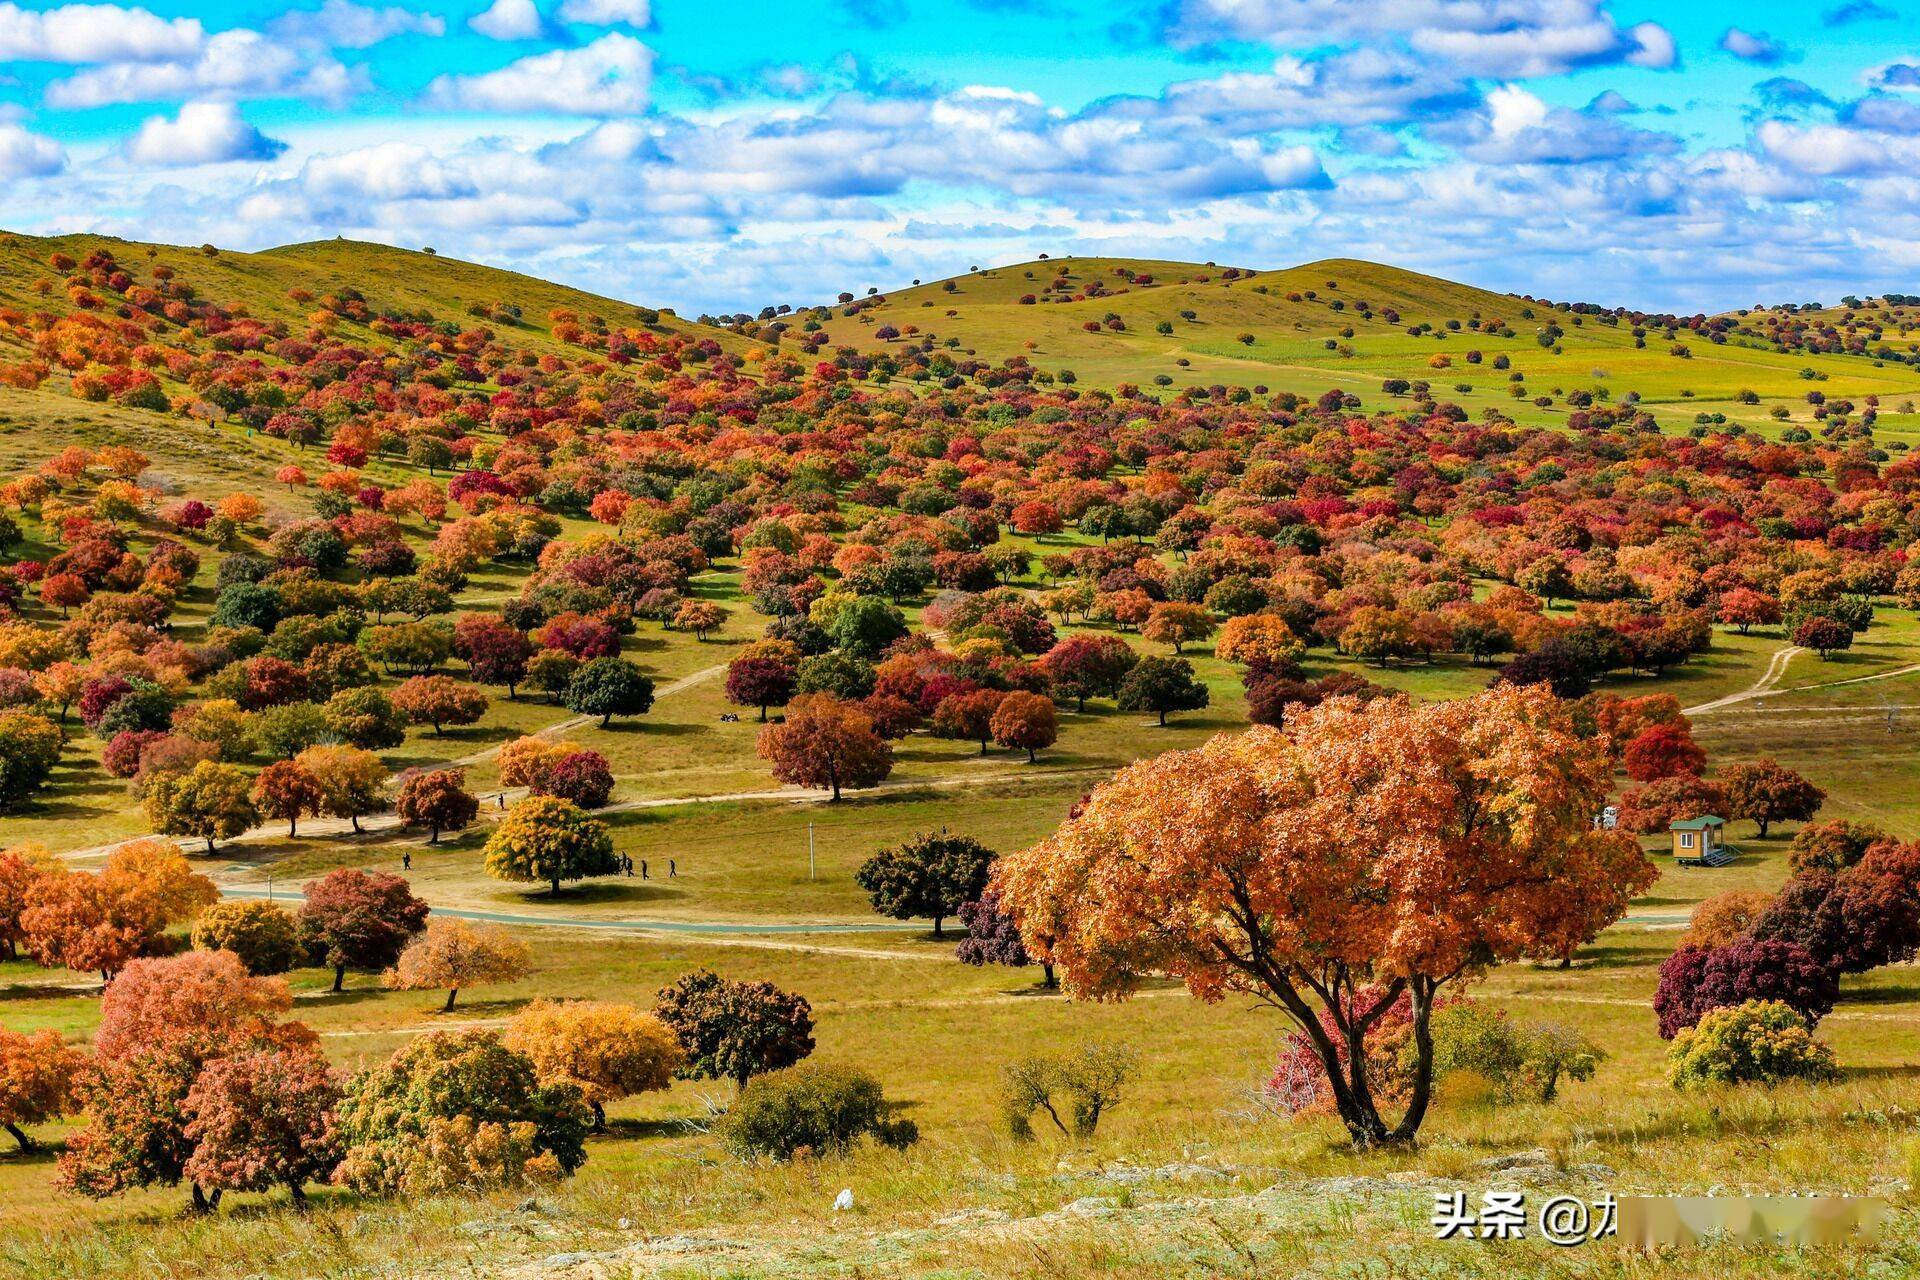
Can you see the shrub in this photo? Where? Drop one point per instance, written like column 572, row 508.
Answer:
column 1523, row 1061
column 811, row 1110
column 1694, row 982
column 1760, row 1042
column 1087, row 1080
column 455, row 1110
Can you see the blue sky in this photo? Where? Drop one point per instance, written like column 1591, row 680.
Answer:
column 723, row 156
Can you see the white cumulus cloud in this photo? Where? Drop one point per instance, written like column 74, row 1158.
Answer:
column 81, row 33
column 28, row 155
column 342, row 24
column 510, row 20
column 610, row 77
column 203, row 133
column 232, row 64
column 607, row 13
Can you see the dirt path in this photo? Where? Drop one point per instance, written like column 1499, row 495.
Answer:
column 1776, row 667
column 1767, row 686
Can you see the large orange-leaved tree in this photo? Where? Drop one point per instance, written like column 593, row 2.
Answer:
column 1389, row 848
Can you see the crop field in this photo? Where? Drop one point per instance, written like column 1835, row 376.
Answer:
column 745, row 477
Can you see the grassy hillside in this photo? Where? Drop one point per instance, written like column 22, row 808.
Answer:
column 391, row 280
column 1351, row 325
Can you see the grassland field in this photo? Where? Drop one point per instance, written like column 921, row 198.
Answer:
column 1190, row 1176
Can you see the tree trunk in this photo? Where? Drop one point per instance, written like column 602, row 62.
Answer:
column 434, row 838
column 209, row 846
column 599, row 1117
column 20, row 1136
column 448, row 1006
column 556, row 886
column 293, row 827
column 1422, row 990
column 1048, row 979
column 936, row 925
column 1030, row 756
column 355, row 819
column 1163, row 719
column 606, row 719
column 299, row 1194
column 339, row 978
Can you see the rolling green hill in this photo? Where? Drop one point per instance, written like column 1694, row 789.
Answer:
column 390, row 279
column 1347, row 324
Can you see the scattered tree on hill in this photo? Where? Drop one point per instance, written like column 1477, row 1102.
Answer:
column 609, row 687
column 1177, row 625
column 352, row 781
column 1663, row 751
column 265, row 935
column 263, row 1118
column 458, row 1111
column 1724, row 917
column 452, row 954
column 1766, row 792
column 1025, row 722
column 1694, row 981
column 734, row 1030
column 608, row 1051
column 439, row 701
column 1290, row 865
column 39, row 1078
column 210, row 801
column 931, row 875
column 993, row 938
column 1834, row 845
column 759, row 682
column 1162, row 686
column 354, row 919
column 437, row 800
column 287, row 790
column 826, row 744
column 1825, row 636
column 1083, row 667
column 544, row 839
column 29, row 749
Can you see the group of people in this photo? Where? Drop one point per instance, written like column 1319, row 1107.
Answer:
column 627, row 865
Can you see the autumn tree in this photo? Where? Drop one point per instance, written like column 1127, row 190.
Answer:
column 1162, row 686
column 608, row 1051
column 609, row 687
column 438, row 800
column 453, row 1111
column 353, row 919
column 1720, row 919
column 263, row 1118
column 1398, row 844
column 439, row 701
column 734, row 1030
column 211, row 801
column 452, row 954
column 930, row 875
column 1259, row 640
column 1663, row 751
column 1177, row 624
column 162, row 1023
column 994, row 938
column 29, row 749
column 1765, row 792
column 1657, row 806
column 265, row 935
column 1743, row 608
column 1025, row 722
column 352, row 781
column 1083, row 667
column 1694, row 981
column 495, row 653
column 759, row 682
column 967, row 716
column 287, row 790
column 826, row 744
column 1825, row 636
column 702, row 617
column 1833, row 845
column 39, row 1079
column 547, row 839
column 21, row 869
